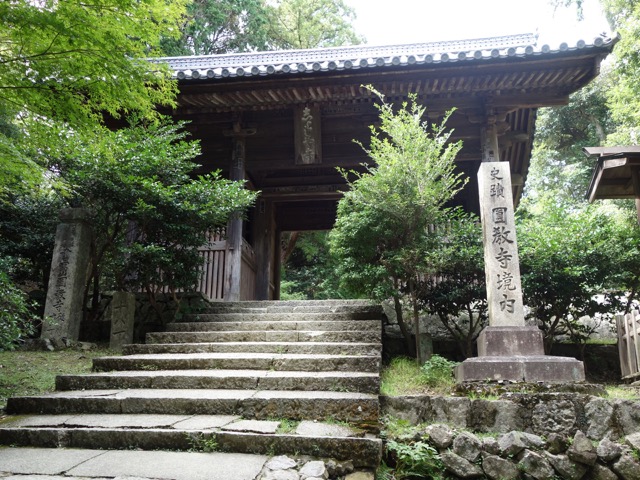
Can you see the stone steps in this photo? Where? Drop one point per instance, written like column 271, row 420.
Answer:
column 364, row 382
column 352, row 407
column 240, row 361
column 278, row 325
column 224, row 378
column 184, row 433
column 263, row 336
column 324, row 348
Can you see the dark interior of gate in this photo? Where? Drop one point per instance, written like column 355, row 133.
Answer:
column 284, row 121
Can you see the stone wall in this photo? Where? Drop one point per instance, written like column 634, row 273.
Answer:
column 544, row 434
column 147, row 318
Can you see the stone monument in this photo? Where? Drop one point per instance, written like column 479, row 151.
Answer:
column 507, row 348
column 63, row 308
column 121, row 312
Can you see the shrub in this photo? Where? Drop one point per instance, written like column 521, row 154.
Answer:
column 438, row 371
column 16, row 320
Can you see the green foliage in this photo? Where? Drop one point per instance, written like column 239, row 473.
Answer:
column 310, row 270
column 213, row 27
column 569, row 266
column 149, row 215
column 71, row 62
column 296, row 24
column 16, row 319
column 403, row 376
column 438, row 372
column 455, row 289
column 34, row 372
column 381, row 234
column 415, row 459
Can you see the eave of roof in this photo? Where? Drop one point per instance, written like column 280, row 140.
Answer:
column 612, row 161
column 301, row 62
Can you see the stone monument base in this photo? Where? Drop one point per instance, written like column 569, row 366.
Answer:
column 538, row 368
column 517, row 354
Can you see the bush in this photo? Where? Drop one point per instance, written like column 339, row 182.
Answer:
column 438, row 371
column 16, row 320
column 416, row 459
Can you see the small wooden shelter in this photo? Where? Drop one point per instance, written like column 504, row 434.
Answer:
column 283, row 121
column 616, row 174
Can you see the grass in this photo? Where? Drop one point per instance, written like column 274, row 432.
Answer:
column 404, row 376
column 34, row 373
column 622, row 393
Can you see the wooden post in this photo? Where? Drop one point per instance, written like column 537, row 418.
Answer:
column 264, row 235
column 635, row 177
column 234, row 228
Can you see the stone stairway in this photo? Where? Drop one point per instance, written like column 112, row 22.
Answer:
column 271, row 378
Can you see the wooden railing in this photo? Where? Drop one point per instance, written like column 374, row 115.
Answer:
column 214, row 260
column 214, row 267
column 629, row 344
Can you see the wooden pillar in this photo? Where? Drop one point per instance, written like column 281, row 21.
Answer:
column 264, row 244
column 234, row 227
column 277, row 263
column 635, row 177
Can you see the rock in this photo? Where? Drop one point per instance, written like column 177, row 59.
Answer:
column 414, row 408
column 557, row 443
column 490, row 446
column 360, row 476
column 633, row 440
column 536, row 466
column 459, row 466
column 281, row 475
column 281, row 462
column 599, row 413
column 314, row 469
column 582, row 450
column 600, row 472
column 512, row 443
column 626, row 467
column 468, row 446
column 568, row 469
column 441, row 436
column 627, row 416
column 451, row 410
column 496, row 468
column 554, row 416
column 500, row 416
column 608, row 451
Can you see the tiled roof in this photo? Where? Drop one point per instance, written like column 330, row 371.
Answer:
column 299, row 62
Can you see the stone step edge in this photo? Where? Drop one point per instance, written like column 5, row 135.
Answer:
column 201, row 379
column 364, row 452
column 360, row 409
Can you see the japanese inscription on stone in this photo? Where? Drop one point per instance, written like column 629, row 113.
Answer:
column 502, row 267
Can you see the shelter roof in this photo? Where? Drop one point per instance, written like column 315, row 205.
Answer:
column 613, row 176
column 300, row 62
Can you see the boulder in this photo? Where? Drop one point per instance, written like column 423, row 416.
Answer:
column 440, row 436
column 536, row 466
column 513, row 443
column 496, row 468
column 599, row 413
column 460, row 467
column 608, row 451
column 314, row 469
column 566, row 468
column 626, row 467
column 600, row 472
column 557, row 443
column 582, row 450
column 468, row 446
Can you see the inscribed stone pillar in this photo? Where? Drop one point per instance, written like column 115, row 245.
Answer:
column 502, row 265
column 63, row 308
column 507, row 349
column 121, row 312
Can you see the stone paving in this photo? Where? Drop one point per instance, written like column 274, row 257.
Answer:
column 312, row 395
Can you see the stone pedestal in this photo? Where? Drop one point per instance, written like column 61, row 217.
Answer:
column 507, row 349
column 63, row 308
column 121, row 312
